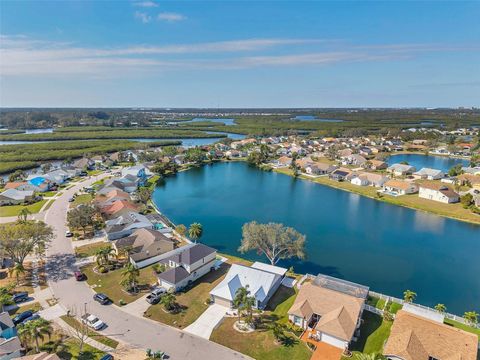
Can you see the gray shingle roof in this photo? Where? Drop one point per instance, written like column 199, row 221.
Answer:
column 174, row 275
column 192, row 254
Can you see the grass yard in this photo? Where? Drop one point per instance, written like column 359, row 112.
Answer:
column 281, row 302
column 90, row 249
column 50, row 203
column 69, row 350
column 81, row 199
column 49, row 193
column 33, row 306
column 192, row 301
column 464, row 327
column 74, row 323
column 259, row 344
column 25, row 280
column 14, row 210
column 373, row 333
column 109, row 283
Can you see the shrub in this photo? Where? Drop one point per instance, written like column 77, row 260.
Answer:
column 158, row 268
column 102, row 269
column 122, row 302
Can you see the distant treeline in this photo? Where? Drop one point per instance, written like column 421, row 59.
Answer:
column 26, row 156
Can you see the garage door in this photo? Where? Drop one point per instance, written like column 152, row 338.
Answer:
column 221, row 301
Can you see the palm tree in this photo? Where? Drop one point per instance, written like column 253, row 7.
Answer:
column 130, row 274
column 195, row 231
column 409, row 296
column 16, row 271
column 471, row 317
column 35, row 329
column 169, row 301
column 104, row 254
column 244, row 303
column 23, row 215
column 441, row 308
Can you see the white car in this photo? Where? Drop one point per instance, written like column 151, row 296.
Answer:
column 93, row 321
column 68, row 233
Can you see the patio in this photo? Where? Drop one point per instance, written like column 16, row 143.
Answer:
column 323, row 350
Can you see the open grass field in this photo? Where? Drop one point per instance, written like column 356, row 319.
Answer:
column 14, row 210
column 109, row 283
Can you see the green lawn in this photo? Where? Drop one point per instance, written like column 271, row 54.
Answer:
column 69, row 350
column 464, row 327
column 81, row 199
column 34, row 307
column 281, row 302
column 373, row 333
column 74, row 323
column 49, row 193
column 14, row 210
column 109, row 283
column 89, row 249
column 192, row 301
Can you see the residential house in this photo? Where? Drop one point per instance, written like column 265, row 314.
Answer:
column 125, row 184
column 418, row 335
column 40, row 183
column 340, row 174
column 360, row 180
column 10, row 346
column 137, row 173
column 400, row 187
column 187, row 266
column 84, row 164
column 125, row 224
column 283, row 161
column 118, row 208
column 107, row 199
column 19, row 185
column 58, row 176
column 15, row 197
column 375, row 165
column 367, row 178
column 329, row 309
column 471, row 170
column 401, row 169
column 428, row 174
column 319, row 168
column 470, row 180
column 146, row 246
column 438, row 192
column 354, row 159
column 262, row 280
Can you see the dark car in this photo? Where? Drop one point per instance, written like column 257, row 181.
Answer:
column 20, row 297
column 33, row 317
column 107, row 357
column 79, row 276
column 102, row 298
column 22, row 317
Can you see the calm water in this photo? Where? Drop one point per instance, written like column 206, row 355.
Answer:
column 387, row 247
column 429, row 161
column 313, row 118
column 228, row 122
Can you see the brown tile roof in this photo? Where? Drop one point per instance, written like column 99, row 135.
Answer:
column 338, row 312
column 14, row 185
column 399, row 184
column 415, row 338
column 119, row 205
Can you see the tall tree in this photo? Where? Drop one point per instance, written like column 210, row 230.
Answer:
column 17, row 270
column 22, row 239
column 144, row 194
column 195, row 231
column 273, row 240
column 441, row 308
column 35, row 330
column 130, row 275
column 81, row 217
column 23, row 215
column 244, row 303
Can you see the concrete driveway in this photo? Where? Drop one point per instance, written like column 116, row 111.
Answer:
column 208, row 321
column 137, row 332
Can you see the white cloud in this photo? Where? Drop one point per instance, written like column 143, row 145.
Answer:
column 170, row 17
column 142, row 16
column 145, row 4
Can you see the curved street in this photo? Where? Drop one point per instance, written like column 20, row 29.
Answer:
column 135, row 331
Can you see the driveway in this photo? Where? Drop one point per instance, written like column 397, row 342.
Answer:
column 136, row 332
column 208, row 321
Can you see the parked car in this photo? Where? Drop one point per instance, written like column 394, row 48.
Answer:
column 107, row 357
column 155, row 296
column 93, row 321
column 102, row 298
column 71, row 199
column 79, row 276
column 22, row 316
column 68, row 233
column 20, row 297
column 33, row 317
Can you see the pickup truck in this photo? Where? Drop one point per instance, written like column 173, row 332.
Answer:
column 93, row 321
column 155, row 295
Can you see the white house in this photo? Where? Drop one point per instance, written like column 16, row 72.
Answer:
column 187, row 266
column 428, row 174
column 438, row 192
column 14, row 197
column 399, row 187
column 262, row 280
column 401, row 169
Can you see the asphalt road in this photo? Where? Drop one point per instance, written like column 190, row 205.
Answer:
column 130, row 329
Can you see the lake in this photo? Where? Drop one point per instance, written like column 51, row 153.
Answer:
column 313, row 118
column 443, row 163
column 386, row 247
column 227, row 122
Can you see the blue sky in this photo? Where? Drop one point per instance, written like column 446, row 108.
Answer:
column 239, row 53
